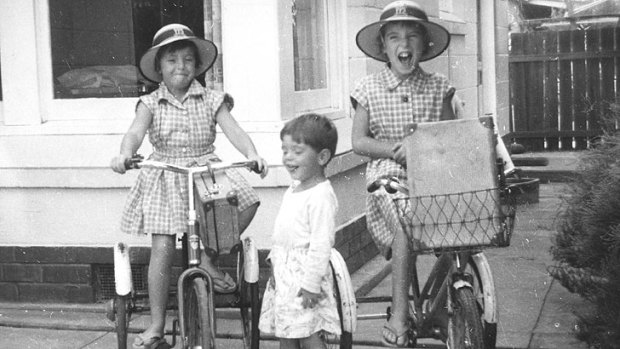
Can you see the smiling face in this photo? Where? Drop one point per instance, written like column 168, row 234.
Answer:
column 403, row 43
column 303, row 162
column 178, row 69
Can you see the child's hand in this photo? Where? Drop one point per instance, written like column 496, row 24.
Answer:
column 308, row 299
column 262, row 165
column 399, row 154
column 118, row 163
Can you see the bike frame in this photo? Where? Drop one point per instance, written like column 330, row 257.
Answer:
column 448, row 273
column 193, row 248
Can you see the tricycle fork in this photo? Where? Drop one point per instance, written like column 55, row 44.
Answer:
column 193, row 260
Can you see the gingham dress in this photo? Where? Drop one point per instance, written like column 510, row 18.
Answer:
column 393, row 104
column 181, row 134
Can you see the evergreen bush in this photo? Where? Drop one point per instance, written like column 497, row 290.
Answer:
column 587, row 244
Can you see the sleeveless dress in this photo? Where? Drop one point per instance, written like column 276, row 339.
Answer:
column 181, row 134
column 393, row 104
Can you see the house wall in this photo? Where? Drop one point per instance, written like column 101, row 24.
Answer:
column 503, row 21
column 61, row 204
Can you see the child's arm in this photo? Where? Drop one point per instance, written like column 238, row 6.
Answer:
column 322, row 218
column 239, row 138
column 133, row 138
column 365, row 145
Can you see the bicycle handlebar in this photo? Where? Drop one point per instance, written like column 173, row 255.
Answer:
column 391, row 185
column 137, row 161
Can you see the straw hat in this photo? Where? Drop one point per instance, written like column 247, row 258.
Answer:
column 369, row 38
column 171, row 33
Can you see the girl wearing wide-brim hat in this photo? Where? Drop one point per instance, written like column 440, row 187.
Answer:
column 180, row 118
column 400, row 94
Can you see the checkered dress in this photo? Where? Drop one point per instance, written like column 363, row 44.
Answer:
column 181, row 134
column 393, row 104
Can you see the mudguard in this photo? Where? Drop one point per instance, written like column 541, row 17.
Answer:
column 347, row 293
column 122, row 269
column 491, row 312
column 250, row 260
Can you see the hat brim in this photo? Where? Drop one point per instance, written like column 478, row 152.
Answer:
column 206, row 50
column 369, row 41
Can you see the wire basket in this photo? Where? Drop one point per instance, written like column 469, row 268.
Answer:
column 459, row 221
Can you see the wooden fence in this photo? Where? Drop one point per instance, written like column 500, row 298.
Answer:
column 559, row 84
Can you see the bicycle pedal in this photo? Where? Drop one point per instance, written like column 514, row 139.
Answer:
column 388, row 312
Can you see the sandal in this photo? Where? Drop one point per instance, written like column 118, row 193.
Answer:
column 148, row 343
column 401, row 340
column 225, row 285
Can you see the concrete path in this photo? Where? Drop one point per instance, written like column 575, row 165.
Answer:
column 535, row 311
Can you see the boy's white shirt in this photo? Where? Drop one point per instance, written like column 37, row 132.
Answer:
column 307, row 220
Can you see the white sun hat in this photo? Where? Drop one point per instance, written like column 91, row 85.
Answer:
column 171, row 33
column 368, row 39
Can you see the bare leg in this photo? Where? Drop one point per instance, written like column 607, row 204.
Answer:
column 245, row 218
column 312, row 342
column 160, row 265
column 401, row 281
column 287, row 343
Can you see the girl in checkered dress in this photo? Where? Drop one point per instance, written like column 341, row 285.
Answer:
column 386, row 102
column 180, row 118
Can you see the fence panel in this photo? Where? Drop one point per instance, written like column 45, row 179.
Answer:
column 559, row 81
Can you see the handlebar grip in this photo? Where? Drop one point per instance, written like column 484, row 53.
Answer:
column 372, row 187
column 253, row 166
column 391, row 185
column 132, row 163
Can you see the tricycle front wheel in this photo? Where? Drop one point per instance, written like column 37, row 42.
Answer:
column 198, row 330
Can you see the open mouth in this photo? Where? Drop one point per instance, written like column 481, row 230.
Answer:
column 405, row 58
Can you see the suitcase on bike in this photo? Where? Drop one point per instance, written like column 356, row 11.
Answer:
column 216, row 210
column 453, row 179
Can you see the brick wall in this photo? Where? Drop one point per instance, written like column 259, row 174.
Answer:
column 70, row 274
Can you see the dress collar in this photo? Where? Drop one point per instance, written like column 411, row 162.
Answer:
column 195, row 89
column 392, row 81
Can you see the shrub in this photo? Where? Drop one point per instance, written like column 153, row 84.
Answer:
column 587, row 244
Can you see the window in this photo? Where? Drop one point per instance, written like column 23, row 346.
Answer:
column 309, row 45
column 313, row 56
column 96, row 44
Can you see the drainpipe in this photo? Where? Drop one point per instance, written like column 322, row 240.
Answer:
column 487, row 53
column 489, row 77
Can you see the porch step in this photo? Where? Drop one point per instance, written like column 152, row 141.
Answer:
column 560, row 166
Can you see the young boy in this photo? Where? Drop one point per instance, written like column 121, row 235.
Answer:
column 299, row 305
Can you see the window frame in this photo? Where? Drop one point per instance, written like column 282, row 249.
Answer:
column 71, row 109
column 331, row 100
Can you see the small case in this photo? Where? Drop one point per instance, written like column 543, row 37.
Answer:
column 216, row 210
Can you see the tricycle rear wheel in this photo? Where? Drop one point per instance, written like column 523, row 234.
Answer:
column 122, row 314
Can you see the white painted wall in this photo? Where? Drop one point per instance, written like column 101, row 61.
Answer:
column 55, row 184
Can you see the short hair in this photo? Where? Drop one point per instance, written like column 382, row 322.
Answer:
column 315, row 130
column 174, row 47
